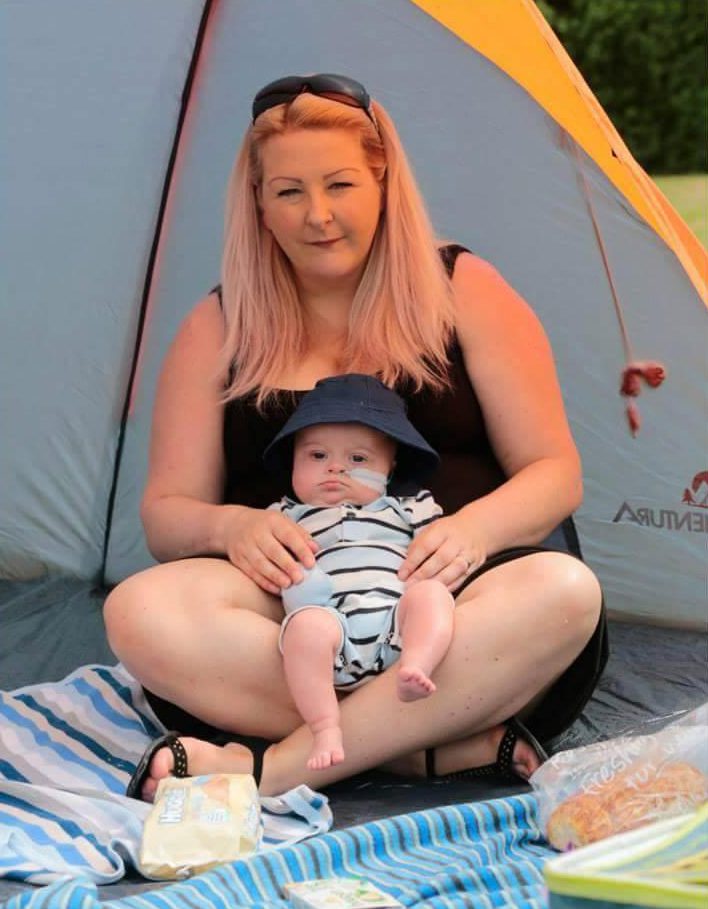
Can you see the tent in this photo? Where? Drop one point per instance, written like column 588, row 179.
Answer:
column 122, row 120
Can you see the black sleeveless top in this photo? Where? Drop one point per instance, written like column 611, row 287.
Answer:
column 451, row 420
column 452, row 423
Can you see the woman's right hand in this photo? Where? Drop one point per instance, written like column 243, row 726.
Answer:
column 268, row 547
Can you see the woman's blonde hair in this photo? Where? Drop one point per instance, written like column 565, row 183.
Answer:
column 402, row 313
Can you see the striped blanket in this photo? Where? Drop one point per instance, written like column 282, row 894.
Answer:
column 67, row 751
column 68, row 748
column 476, row 856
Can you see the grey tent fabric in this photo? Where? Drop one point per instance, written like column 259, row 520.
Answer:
column 90, row 96
column 94, row 99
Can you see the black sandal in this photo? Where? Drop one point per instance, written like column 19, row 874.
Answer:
column 503, row 766
column 257, row 746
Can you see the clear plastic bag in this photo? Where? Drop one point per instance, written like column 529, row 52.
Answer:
column 588, row 793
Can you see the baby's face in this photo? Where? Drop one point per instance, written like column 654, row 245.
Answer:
column 326, row 454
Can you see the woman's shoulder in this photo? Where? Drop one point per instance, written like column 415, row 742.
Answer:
column 459, row 259
column 478, row 284
column 206, row 314
column 449, row 254
column 492, row 317
column 216, row 293
column 201, row 331
column 464, row 266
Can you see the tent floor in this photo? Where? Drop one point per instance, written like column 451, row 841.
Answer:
column 51, row 627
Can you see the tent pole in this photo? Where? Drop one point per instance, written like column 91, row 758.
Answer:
column 187, row 93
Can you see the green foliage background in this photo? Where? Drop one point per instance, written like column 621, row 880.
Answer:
column 645, row 60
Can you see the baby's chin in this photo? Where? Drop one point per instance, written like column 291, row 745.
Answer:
column 345, row 497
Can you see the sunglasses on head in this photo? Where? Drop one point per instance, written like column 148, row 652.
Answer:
column 324, row 85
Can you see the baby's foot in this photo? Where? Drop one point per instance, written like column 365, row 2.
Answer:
column 202, row 757
column 326, row 748
column 414, row 684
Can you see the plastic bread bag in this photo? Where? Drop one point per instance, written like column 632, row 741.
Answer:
column 199, row 822
column 589, row 793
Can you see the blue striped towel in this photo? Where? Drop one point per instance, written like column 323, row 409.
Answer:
column 474, row 856
column 67, row 751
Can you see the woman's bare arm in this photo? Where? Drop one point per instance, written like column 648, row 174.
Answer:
column 181, row 509
column 509, row 361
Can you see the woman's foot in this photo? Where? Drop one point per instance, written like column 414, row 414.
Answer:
column 478, row 750
column 202, row 757
column 327, row 749
column 455, row 757
column 413, row 684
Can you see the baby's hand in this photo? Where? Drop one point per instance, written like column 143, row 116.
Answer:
column 315, row 589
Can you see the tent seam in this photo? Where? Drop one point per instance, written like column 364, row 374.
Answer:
column 186, row 97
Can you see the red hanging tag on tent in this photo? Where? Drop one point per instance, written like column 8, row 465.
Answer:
column 649, row 371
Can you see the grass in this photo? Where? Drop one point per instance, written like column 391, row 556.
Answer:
column 689, row 196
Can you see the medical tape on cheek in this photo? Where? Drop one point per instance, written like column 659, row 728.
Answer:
column 371, row 478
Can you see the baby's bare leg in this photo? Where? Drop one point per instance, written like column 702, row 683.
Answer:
column 310, row 643
column 426, row 619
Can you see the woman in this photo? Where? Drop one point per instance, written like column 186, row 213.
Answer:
column 330, row 266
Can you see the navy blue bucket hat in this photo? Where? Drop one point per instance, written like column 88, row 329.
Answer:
column 355, row 398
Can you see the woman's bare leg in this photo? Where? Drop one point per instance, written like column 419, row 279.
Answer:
column 202, row 635
column 517, row 628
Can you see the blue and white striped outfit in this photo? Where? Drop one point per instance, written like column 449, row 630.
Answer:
column 361, row 549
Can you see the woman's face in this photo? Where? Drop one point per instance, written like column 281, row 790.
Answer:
column 321, row 202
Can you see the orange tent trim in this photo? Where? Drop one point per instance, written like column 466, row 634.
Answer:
column 514, row 35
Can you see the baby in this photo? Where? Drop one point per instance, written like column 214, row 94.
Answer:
column 345, row 440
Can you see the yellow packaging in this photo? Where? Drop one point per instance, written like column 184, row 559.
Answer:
column 199, row 822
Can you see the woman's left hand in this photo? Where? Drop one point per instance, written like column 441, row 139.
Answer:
column 446, row 550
